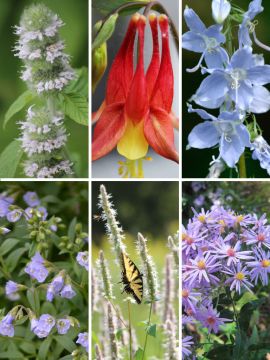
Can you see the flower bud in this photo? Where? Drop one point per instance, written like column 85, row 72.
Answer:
column 220, row 10
column 99, row 64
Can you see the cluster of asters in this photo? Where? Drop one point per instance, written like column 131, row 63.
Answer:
column 39, row 270
column 47, row 72
column 234, row 84
column 137, row 110
column 221, row 249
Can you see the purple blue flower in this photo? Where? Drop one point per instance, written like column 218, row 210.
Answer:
column 5, row 202
column 62, row 326
column 36, row 268
column 83, row 259
column 83, row 340
column 14, row 215
column 6, row 326
column 209, row 318
column 42, row 326
column 67, row 292
column 55, row 287
column 31, row 198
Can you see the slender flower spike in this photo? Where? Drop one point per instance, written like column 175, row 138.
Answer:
column 104, row 277
column 220, row 10
column 137, row 109
column 150, row 272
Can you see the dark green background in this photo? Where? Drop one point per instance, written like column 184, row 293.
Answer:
column 196, row 162
column 74, row 13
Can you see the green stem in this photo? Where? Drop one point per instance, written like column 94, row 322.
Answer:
column 146, row 336
column 4, row 269
column 242, row 166
column 140, row 168
column 129, row 329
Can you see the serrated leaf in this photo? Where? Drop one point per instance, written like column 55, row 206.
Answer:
column 79, row 84
column 66, row 342
column 9, row 159
column 8, row 245
column 75, row 106
column 18, row 105
column 43, row 350
column 152, row 330
column 105, row 31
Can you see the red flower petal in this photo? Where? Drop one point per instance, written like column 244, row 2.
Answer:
column 158, row 130
column 96, row 115
column 108, row 130
column 163, row 91
column 137, row 100
column 121, row 71
column 153, row 69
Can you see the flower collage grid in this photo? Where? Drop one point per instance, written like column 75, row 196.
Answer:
column 99, row 167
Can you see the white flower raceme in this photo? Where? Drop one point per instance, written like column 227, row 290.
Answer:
column 43, row 138
column 47, row 67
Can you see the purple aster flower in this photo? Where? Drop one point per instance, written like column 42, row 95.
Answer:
column 199, row 201
column 227, row 130
column 36, row 269
column 239, row 278
column 4, row 230
column 83, row 340
column 43, row 326
column 189, row 298
column 192, row 238
column 260, row 267
column 31, row 198
column 233, row 255
column 204, row 40
column 187, row 342
column 83, row 259
column 63, row 326
column 210, row 319
column 67, row 292
column 5, row 202
column 201, row 270
column 259, row 237
column 14, row 215
column 220, row 10
column 6, row 326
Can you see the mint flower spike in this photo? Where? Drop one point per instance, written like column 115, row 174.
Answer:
column 114, row 231
column 113, row 350
column 171, row 346
column 98, row 353
column 173, row 244
column 169, row 287
column 105, row 280
column 46, row 72
column 46, row 66
column 220, row 10
column 149, row 269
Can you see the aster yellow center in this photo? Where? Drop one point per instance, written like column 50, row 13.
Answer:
column 239, row 218
column 265, row 263
column 240, row 276
column 202, row 218
column 201, row 264
column 222, row 222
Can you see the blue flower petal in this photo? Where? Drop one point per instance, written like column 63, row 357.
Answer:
column 242, row 96
column 193, row 21
column 203, row 136
column 259, row 75
column 242, row 58
column 231, row 149
column 193, row 42
column 261, row 100
column 214, row 87
column 214, row 31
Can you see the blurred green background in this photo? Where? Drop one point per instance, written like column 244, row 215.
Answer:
column 243, row 197
column 151, row 208
column 75, row 33
column 191, row 82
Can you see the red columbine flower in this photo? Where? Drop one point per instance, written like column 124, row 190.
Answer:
column 137, row 108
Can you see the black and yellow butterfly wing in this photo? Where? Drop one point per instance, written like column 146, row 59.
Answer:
column 132, row 279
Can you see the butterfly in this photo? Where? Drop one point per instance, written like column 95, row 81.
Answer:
column 132, row 279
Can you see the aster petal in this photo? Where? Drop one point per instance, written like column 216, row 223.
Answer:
column 203, row 136
column 108, row 131
column 158, row 130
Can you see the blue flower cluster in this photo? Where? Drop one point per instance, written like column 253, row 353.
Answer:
column 234, row 84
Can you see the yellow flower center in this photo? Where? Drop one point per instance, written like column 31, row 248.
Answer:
column 202, row 218
column 222, row 222
column 265, row 263
column 239, row 218
column 201, row 264
column 240, row 276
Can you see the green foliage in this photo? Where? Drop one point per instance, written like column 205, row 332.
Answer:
column 106, row 7
column 75, row 107
column 105, row 31
column 10, row 159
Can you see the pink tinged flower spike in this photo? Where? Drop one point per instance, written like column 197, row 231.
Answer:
column 153, row 69
column 158, row 128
